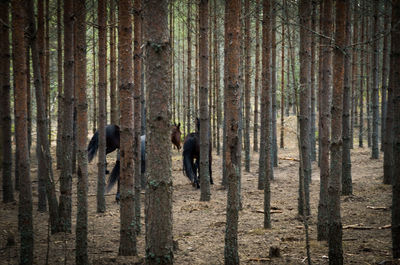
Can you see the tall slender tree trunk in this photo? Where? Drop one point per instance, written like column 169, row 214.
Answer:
column 42, row 206
column 305, row 103
column 60, row 98
column 28, row 99
column 257, row 76
column 247, row 85
column 102, row 117
column 137, row 82
column 346, row 180
column 81, row 256
column 113, row 66
column 282, row 135
column 159, row 249
column 25, row 219
column 189, row 65
column 5, row 108
column 385, row 72
column 65, row 204
column 94, row 117
column 324, row 115
column 354, row 74
column 204, row 114
column 368, row 75
column 47, row 67
column 127, row 245
column 375, row 85
column 313, row 63
column 362, row 78
column 217, row 77
column 335, row 222
column 273, row 85
column 232, row 97
column 395, row 87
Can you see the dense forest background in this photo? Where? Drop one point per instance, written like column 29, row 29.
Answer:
column 284, row 115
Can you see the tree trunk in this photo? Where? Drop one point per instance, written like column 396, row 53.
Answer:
column 102, row 117
column 375, row 86
column 5, row 108
column 395, row 87
column 273, row 86
column 247, row 85
column 305, row 103
column 232, row 97
column 127, row 245
column 113, row 66
column 362, row 71
column 42, row 206
column 25, row 219
column 326, row 19
column 313, row 63
column 159, row 249
column 44, row 156
column 217, row 77
column 282, row 135
column 335, row 222
column 137, row 83
column 47, row 68
column 257, row 76
column 354, row 74
column 189, row 66
column 81, row 256
column 385, row 64
column 60, row 98
column 204, row 115
column 66, row 171
column 347, row 187
column 94, row 117
column 369, row 73
column 28, row 94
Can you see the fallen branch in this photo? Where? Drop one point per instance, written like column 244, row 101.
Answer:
column 259, row 259
column 377, row 208
column 272, row 211
column 359, row 227
column 289, row 158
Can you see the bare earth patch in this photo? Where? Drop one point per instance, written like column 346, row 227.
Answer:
column 199, row 227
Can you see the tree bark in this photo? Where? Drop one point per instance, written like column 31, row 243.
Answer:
column 159, row 237
column 25, row 219
column 113, row 66
column 385, row 64
column 326, row 19
column 335, row 222
column 5, row 108
column 189, row 65
column 203, row 93
column 273, row 86
column 94, row 117
column 65, row 206
column 137, row 83
column 395, row 87
column 313, row 63
column 232, row 97
column 60, row 98
column 362, row 71
column 127, row 245
column 247, row 84
column 375, row 85
column 305, row 103
column 354, row 74
column 217, row 77
column 102, row 117
column 257, row 76
column 81, row 256
column 282, row 135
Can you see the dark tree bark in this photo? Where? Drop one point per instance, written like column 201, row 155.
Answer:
column 60, row 98
column 159, row 238
column 247, row 84
column 42, row 206
column 282, row 135
column 362, row 71
column 47, row 68
column 7, row 185
column 81, row 256
column 324, row 115
column 347, row 187
column 232, row 97
column 25, row 219
column 137, row 83
column 305, row 111
column 257, row 76
column 66, row 170
column 44, row 155
column 313, row 63
column 395, row 88
column 335, row 222
column 28, row 99
column 217, row 77
column 189, row 65
column 368, row 79
column 94, row 117
column 354, row 74
column 273, row 86
column 375, row 85
column 266, row 168
column 204, row 115
column 385, row 66
column 127, row 245
column 113, row 66
column 102, row 117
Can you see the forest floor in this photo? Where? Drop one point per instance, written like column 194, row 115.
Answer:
column 199, row 227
